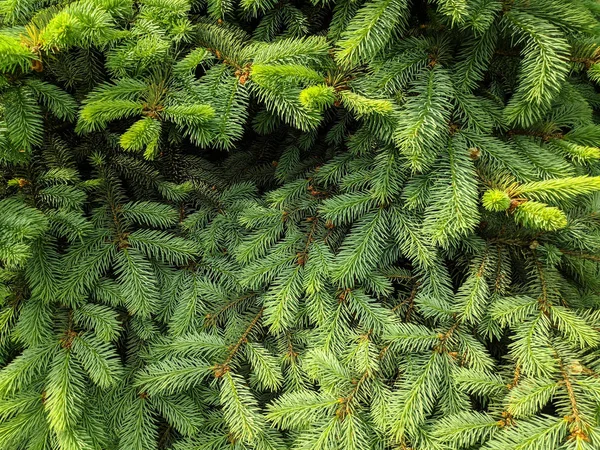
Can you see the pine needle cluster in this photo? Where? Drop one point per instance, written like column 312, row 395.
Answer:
column 299, row 225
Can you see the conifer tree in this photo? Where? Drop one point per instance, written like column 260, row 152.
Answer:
column 299, row 225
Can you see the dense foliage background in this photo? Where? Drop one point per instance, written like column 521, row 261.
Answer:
column 299, row 225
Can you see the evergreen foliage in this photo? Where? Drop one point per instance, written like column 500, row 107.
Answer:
column 302, row 225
